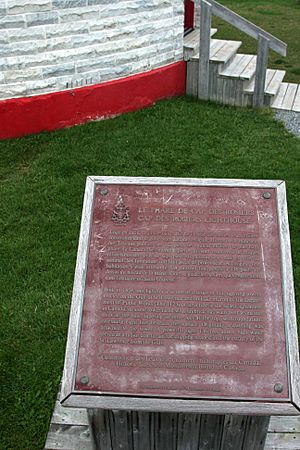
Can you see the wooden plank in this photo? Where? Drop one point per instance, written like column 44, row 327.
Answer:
column 68, row 437
column 289, row 97
column 296, row 105
column 261, row 70
column 100, row 428
column 249, row 71
column 226, row 52
column 205, row 26
column 269, row 76
column 191, row 40
column 282, row 424
column 280, row 96
column 188, row 431
column 120, row 429
column 275, row 82
column 78, row 292
column 69, row 416
column 143, row 430
column 282, row 441
column 215, row 46
column 255, row 432
column 211, row 431
column 237, row 66
column 247, row 27
column 289, row 297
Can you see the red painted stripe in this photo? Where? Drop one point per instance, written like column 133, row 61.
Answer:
column 21, row 116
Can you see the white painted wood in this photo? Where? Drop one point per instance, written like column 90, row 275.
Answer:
column 261, row 70
column 191, row 40
column 226, row 52
column 230, row 182
column 289, row 297
column 204, row 49
column 249, row 71
column 249, row 88
column 78, row 291
column 247, row 27
column 274, row 84
column 280, row 96
column 179, row 405
column 296, row 105
column 69, row 438
column 58, row 436
column 289, row 97
column 237, row 66
column 282, row 441
column 69, row 416
column 282, row 424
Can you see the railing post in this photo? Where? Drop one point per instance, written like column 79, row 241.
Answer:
column 204, row 47
column 261, row 70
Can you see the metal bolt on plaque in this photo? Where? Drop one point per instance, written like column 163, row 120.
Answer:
column 104, row 191
column 267, row 195
column 278, row 387
column 84, row 380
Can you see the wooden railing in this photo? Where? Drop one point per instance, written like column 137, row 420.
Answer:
column 265, row 42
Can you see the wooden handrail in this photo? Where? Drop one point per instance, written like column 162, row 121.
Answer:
column 247, row 27
column 265, row 42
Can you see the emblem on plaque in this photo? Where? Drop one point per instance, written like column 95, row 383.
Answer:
column 120, row 213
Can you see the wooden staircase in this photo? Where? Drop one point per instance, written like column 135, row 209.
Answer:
column 233, row 78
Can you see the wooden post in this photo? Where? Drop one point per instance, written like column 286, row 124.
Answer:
column 261, row 70
column 204, row 48
column 139, row 430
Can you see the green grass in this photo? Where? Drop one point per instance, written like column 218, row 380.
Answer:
column 280, row 18
column 43, row 180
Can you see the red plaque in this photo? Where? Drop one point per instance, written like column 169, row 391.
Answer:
column 183, row 294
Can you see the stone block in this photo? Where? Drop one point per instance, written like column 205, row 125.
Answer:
column 12, row 22
column 26, row 34
column 65, row 29
column 3, row 10
column 42, row 18
column 4, row 37
column 62, row 4
column 23, row 48
column 78, row 14
column 12, row 76
column 58, row 70
column 28, row 6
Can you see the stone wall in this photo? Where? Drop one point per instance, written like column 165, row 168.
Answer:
column 52, row 45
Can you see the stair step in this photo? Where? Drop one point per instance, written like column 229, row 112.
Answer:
column 288, row 97
column 191, row 40
column 242, row 67
column 296, row 105
column 221, row 50
column 226, row 52
column 273, row 81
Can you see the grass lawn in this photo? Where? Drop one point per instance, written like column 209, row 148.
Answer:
column 280, row 18
column 43, row 179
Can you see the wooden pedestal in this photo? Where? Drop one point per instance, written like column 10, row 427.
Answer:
column 134, row 430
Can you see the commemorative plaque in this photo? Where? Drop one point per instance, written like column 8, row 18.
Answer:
column 183, row 293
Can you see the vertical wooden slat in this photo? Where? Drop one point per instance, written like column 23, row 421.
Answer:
column 261, row 70
column 165, row 431
column 256, row 432
column 142, row 425
column 233, row 432
column 135, row 430
column 204, row 47
column 188, row 431
column 211, row 431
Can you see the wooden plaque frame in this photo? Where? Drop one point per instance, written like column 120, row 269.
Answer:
column 72, row 397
